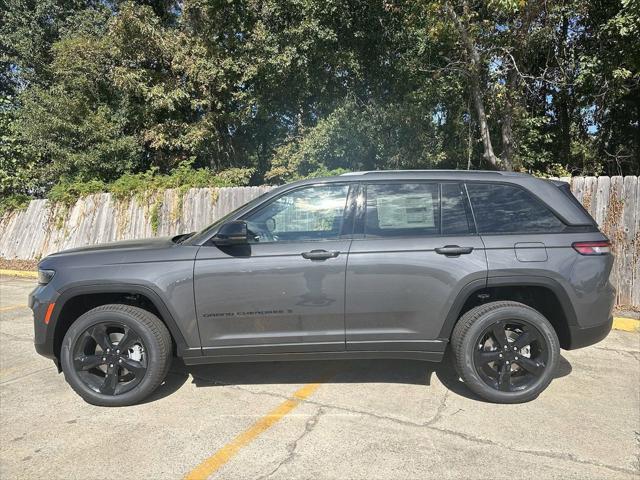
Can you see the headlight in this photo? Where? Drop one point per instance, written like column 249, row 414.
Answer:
column 45, row 276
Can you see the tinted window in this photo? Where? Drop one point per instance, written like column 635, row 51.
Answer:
column 313, row 213
column 455, row 218
column 507, row 209
column 402, row 210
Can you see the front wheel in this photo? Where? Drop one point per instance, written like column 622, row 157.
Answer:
column 505, row 352
column 116, row 355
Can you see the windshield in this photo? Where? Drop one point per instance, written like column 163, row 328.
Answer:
column 206, row 232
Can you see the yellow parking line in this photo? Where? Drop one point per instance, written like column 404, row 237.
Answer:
column 226, row 453
column 8, row 308
column 626, row 324
column 19, row 273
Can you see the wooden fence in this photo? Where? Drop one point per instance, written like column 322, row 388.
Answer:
column 43, row 228
column 614, row 202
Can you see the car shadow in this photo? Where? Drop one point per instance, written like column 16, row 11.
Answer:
column 448, row 376
column 409, row 372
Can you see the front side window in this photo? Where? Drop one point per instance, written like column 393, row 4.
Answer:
column 509, row 209
column 312, row 213
column 402, row 210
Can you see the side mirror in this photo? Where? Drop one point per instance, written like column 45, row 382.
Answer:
column 232, row 233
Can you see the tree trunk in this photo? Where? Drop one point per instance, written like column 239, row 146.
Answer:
column 507, row 122
column 474, row 73
column 483, row 125
column 636, row 154
column 564, row 114
column 507, row 139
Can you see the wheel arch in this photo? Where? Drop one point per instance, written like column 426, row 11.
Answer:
column 76, row 300
column 542, row 293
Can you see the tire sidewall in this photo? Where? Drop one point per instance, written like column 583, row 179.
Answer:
column 468, row 346
column 151, row 346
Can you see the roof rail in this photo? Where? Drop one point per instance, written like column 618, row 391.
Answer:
column 368, row 172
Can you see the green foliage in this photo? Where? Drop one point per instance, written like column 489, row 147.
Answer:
column 183, row 177
column 28, row 29
column 134, row 97
column 534, row 144
column 67, row 192
column 148, row 184
column 135, row 185
column 16, row 170
column 361, row 137
column 16, row 201
column 552, row 170
column 146, row 187
column 154, row 217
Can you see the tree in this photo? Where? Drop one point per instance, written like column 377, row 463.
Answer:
column 292, row 88
column 475, row 73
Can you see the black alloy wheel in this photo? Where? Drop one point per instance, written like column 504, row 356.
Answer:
column 110, row 358
column 511, row 355
column 505, row 351
column 116, row 355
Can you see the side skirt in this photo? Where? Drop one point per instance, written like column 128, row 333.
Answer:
column 292, row 357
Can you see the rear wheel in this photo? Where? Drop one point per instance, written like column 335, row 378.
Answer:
column 505, row 352
column 116, row 355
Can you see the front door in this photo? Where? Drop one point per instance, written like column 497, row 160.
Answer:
column 418, row 249
column 284, row 291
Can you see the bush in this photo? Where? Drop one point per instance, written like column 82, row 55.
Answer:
column 67, row 192
column 145, row 184
column 13, row 202
column 141, row 185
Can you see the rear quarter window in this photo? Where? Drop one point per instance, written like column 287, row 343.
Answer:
column 508, row 209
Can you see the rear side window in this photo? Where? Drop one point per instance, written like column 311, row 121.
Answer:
column 508, row 209
column 455, row 218
column 402, row 210
column 418, row 209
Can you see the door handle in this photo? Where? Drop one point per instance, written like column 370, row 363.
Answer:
column 453, row 250
column 320, row 254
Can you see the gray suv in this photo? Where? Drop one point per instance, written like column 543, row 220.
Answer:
column 504, row 268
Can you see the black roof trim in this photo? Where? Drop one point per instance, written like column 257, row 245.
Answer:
column 434, row 171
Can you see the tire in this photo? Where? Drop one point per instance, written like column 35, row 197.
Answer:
column 138, row 371
column 480, row 351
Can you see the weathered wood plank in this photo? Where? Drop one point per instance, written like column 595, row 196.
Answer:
column 628, row 231
column 601, row 201
column 634, row 246
column 612, row 225
column 577, row 188
column 588, row 194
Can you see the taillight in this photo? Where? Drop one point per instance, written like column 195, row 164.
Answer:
column 592, row 248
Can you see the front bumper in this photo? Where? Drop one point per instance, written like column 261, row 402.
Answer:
column 43, row 334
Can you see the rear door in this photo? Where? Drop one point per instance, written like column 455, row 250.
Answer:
column 416, row 250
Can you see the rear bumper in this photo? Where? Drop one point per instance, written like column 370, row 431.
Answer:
column 583, row 337
column 594, row 317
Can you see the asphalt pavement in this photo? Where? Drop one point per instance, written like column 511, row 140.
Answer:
column 317, row 420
